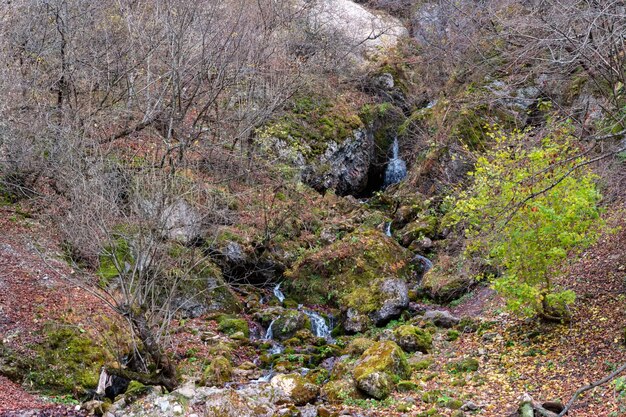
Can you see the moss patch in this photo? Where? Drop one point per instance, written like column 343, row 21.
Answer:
column 67, row 361
column 348, row 273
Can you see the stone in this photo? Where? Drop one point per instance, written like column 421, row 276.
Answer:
column 441, row 318
column 377, row 368
column 412, row 339
column 359, row 31
column 289, row 323
column 343, row 167
column 355, row 322
column 470, row 406
column 384, row 81
column 395, row 296
column 295, row 387
column 181, row 222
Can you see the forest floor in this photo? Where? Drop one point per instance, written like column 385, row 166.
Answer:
column 516, row 356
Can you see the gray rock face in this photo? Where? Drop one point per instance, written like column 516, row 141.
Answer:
column 296, row 388
column 361, row 32
column 395, row 294
column 181, row 222
column 441, row 318
column 343, row 167
column 355, row 322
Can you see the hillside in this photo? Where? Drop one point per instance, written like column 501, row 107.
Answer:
column 312, row 209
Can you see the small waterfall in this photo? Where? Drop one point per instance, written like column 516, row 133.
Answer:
column 396, row 167
column 276, row 348
column 427, row 264
column 269, row 334
column 279, row 294
column 388, row 229
column 319, row 327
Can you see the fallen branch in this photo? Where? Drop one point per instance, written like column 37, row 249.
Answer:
column 593, row 385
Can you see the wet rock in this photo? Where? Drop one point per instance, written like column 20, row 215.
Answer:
column 290, row 322
column 343, row 167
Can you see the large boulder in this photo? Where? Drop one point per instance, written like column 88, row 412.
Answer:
column 412, row 339
column 363, row 274
column 296, row 388
column 394, row 297
column 204, row 291
column 361, row 32
column 343, row 167
column 446, row 281
column 378, row 368
column 288, row 324
column 181, row 222
column 441, row 318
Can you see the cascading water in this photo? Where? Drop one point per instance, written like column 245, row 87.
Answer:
column 388, row 229
column 396, row 167
column 269, row 334
column 319, row 327
column 279, row 294
column 427, row 264
column 276, row 348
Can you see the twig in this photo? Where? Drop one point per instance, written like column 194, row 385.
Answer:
column 593, row 385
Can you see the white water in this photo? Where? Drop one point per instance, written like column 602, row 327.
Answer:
column 276, row 348
column 396, row 167
column 319, row 327
column 279, row 294
column 269, row 334
column 388, row 229
column 427, row 264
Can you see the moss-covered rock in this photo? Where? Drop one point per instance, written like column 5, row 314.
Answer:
column 203, row 290
column 446, row 284
column 421, row 228
column 289, row 323
column 231, row 325
column 413, row 339
column 379, row 367
column 135, row 390
column 352, row 273
column 218, row 372
column 358, row 345
column 67, row 361
column 340, row 390
column 297, row 388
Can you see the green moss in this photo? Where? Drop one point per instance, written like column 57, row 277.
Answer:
column 465, row 365
column 67, row 361
column 422, row 365
column 112, row 259
column 413, row 339
column 135, row 390
column 452, row 335
column 341, row 390
column 349, row 272
column 231, row 325
column 311, row 123
column 379, row 367
column 431, row 397
column 218, row 372
column 407, row 386
column 358, row 345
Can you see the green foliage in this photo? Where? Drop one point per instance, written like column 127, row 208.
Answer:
column 67, row 362
column 526, row 209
